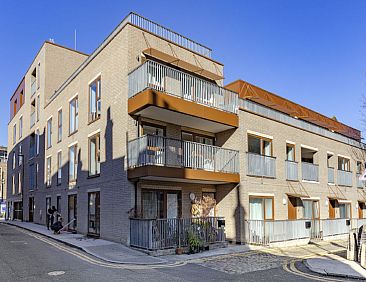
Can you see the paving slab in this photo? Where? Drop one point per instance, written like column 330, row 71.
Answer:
column 334, row 265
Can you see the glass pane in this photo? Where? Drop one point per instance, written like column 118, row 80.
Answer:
column 71, row 162
column 269, row 206
column 254, row 145
column 308, row 209
column 92, row 156
column 290, row 153
column 267, row 148
column 93, row 97
column 172, row 205
column 342, row 211
column 152, row 130
column 149, row 204
column 316, row 209
column 256, row 208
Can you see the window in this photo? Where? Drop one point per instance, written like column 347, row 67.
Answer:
column 14, row 159
column 74, row 120
column 344, row 164
column 161, row 204
column 73, row 163
column 94, row 155
column 49, row 133
column 94, row 100
column 259, row 145
column 152, row 129
column 58, row 204
column 20, row 127
column 38, row 106
column 19, row 183
column 59, row 126
column 14, row 133
column 59, row 167
column 48, row 172
column 311, row 209
column 32, row 145
column 290, row 152
column 32, row 176
column 344, row 210
column 359, row 167
column 37, row 141
column 261, row 208
column 13, row 184
column 20, row 155
column 38, row 75
column 188, row 136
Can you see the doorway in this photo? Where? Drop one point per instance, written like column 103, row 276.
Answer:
column 31, row 209
column 72, row 212
column 94, row 214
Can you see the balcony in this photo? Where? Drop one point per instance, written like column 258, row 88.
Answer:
column 259, row 165
column 344, row 178
column 164, row 93
column 32, row 119
column 151, row 157
column 310, row 172
column 292, row 171
column 331, row 175
column 360, row 184
column 33, row 87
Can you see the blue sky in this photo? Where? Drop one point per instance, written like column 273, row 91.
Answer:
column 311, row 52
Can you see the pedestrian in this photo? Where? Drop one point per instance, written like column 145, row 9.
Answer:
column 57, row 226
column 53, row 215
column 48, row 218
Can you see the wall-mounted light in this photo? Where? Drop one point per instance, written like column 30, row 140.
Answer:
column 326, row 202
column 284, row 200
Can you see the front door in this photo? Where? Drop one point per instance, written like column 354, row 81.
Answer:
column 94, row 214
column 292, row 208
column 332, row 208
column 72, row 212
column 31, row 209
column 311, row 212
column 361, row 207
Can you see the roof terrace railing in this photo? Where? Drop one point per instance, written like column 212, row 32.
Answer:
column 168, row 34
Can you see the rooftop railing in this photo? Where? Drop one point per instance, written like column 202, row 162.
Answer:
column 180, row 84
column 168, row 34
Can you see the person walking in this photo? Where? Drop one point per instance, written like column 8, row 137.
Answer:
column 53, row 215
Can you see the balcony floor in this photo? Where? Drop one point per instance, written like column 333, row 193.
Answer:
column 188, row 175
column 160, row 106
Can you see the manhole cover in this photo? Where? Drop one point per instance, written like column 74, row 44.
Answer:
column 56, row 273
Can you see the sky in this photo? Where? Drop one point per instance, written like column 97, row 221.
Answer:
column 311, row 52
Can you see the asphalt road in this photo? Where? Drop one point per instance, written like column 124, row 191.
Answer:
column 25, row 257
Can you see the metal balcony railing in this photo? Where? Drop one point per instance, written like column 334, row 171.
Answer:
column 162, row 151
column 344, row 178
column 331, row 175
column 33, row 87
column 292, row 171
column 360, row 184
column 310, row 172
column 168, row 34
column 180, row 84
column 259, row 165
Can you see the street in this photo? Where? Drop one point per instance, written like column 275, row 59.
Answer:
column 26, row 256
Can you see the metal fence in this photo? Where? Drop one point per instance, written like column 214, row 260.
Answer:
column 310, row 171
column 331, row 175
column 344, row 178
column 157, row 234
column 337, row 226
column 159, row 150
column 168, row 34
column 259, row 165
column 183, row 85
column 292, row 171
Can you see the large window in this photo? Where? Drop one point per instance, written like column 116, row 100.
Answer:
column 20, row 155
column 59, row 126
column 49, row 133
column 290, row 152
column 94, row 100
column 259, row 145
column 48, row 171
column 74, row 115
column 261, row 208
column 345, row 210
column 32, row 176
column 73, row 163
column 13, row 184
column 152, row 129
column 59, row 167
column 199, row 138
column 14, row 133
column 344, row 164
column 161, row 204
column 94, row 155
column 19, row 183
column 20, row 127
column 37, row 141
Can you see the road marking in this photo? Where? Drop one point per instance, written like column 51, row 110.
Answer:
column 93, row 261
column 56, row 273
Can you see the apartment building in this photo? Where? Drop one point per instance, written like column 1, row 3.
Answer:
column 3, row 178
column 131, row 142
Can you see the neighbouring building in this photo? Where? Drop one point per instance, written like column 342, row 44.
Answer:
column 131, row 141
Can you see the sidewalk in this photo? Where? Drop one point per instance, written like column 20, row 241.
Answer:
column 102, row 249
column 334, row 265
